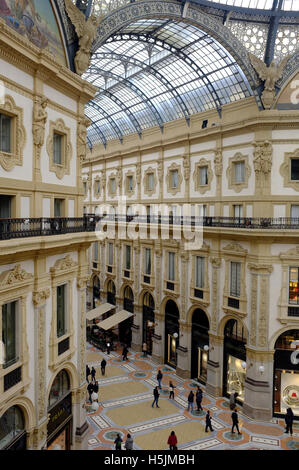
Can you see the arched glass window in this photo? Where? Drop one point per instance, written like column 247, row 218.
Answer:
column 111, row 287
column 12, row 423
column 128, row 294
column 148, row 300
column 60, row 387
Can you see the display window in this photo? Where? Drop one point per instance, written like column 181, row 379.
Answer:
column 12, row 429
column 286, row 388
column 236, row 374
column 202, row 365
column 172, row 355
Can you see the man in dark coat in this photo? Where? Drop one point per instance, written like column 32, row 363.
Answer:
column 199, row 398
column 208, row 422
column 125, row 353
column 90, row 390
column 190, row 401
column 289, row 418
column 103, row 366
column 159, row 378
column 235, row 421
column 93, row 373
column 87, row 373
column 156, row 397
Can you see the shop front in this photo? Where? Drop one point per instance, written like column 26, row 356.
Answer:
column 12, row 430
column 172, row 332
column 59, row 427
column 199, row 346
column 234, row 360
column 148, row 321
column 286, row 374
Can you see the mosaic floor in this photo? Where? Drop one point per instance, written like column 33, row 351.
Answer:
column 125, row 398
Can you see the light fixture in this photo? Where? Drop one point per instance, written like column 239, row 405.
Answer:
column 175, row 335
column 244, row 365
column 206, row 347
column 261, row 369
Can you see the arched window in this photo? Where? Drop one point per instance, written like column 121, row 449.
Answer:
column 148, row 300
column 12, row 424
column 128, row 294
column 60, row 387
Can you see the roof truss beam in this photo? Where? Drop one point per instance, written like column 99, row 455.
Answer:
column 111, row 121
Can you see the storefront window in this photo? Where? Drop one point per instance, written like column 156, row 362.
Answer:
column 202, row 364
column 59, row 388
column 236, row 376
column 172, row 344
column 294, row 286
column 11, row 425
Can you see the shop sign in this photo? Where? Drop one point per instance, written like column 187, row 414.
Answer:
column 59, row 413
column 295, row 354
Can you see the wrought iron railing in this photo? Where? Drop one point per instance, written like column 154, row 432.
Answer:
column 36, row 227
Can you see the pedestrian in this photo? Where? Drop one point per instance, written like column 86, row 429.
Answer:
column 90, row 390
column 190, row 401
column 232, row 400
column 93, row 374
column 171, row 390
column 144, row 349
column 129, row 442
column 125, row 353
column 156, row 397
column 117, row 442
column 289, row 418
column 87, row 373
column 159, row 378
column 235, row 421
column 199, row 398
column 96, row 389
column 103, row 366
column 172, row 441
column 108, row 348
column 208, row 422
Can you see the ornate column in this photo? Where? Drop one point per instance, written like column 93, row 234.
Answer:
column 158, row 338
column 183, row 368
column 262, row 162
column 218, row 169
column 137, row 325
column 186, row 165
column 39, row 435
column 258, row 382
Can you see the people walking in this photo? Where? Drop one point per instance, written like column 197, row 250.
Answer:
column 144, row 349
column 156, row 397
column 87, row 373
column 171, row 390
column 172, row 441
column 190, row 401
column 208, row 422
column 232, row 400
column 90, row 390
column 125, row 353
column 93, row 374
column 289, row 418
column 129, row 442
column 117, row 442
column 96, row 389
column 159, row 378
column 103, row 366
column 199, row 398
column 235, row 420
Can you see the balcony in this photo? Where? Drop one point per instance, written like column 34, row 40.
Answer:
column 39, row 227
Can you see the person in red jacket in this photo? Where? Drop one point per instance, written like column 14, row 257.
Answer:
column 172, row 441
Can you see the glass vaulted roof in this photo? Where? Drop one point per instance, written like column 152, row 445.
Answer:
column 155, row 71
column 288, row 5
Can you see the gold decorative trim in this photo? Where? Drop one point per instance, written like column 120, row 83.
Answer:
column 174, row 166
column 18, row 134
column 285, row 170
column 62, row 169
column 237, row 187
column 203, row 162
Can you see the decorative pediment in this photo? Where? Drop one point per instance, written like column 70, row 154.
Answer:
column 64, row 264
column 14, row 276
column 261, row 268
column 235, row 247
column 292, row 253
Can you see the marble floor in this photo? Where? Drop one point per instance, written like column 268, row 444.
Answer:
column 125, row 398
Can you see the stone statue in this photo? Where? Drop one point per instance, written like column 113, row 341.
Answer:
column 82, row 133
column 40, row 117
column 186, row 165
column 218, row 162
column 160, row 171
column 270, row 75
column 262, row 160
column 86, row 31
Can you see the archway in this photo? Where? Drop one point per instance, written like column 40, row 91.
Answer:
column 12, row 429
column 111, row 292
column 286, row 373
column 148, row 321
column 125, row 327
column 60, row 413
column 199, row 339
column 234, row 359
column 172, row 332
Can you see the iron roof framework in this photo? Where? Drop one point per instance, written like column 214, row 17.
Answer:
column 156, row 69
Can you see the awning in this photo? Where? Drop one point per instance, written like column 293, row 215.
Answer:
column 99, row 311
column 115, row 319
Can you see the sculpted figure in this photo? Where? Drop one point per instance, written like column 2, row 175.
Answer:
column 270, row 75
column 82, row 133
column 86, row 31
column 40, row 117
